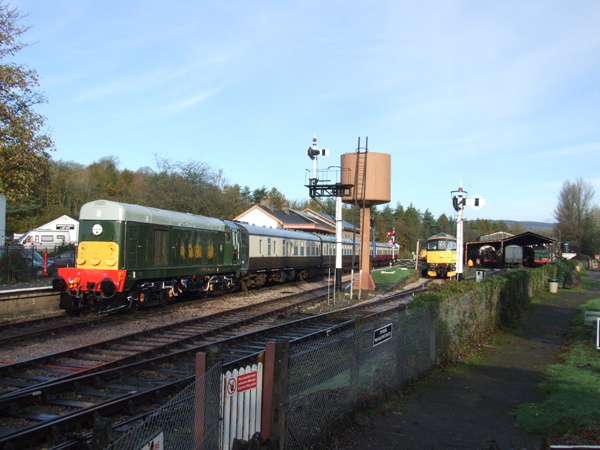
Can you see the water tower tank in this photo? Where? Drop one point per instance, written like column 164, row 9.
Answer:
column 376, row 188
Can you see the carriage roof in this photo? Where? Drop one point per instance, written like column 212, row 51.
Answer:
column 124, row 212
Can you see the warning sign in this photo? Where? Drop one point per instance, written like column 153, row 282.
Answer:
column 380, row 335
column 247, row 381
column 156, row 443
column 231, row 386
column 241, row 383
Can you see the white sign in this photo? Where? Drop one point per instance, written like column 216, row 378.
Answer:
column 97, row 229
column 156, row 443
column 598, row 335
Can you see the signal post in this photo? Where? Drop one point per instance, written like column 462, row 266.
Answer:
column 459, row 201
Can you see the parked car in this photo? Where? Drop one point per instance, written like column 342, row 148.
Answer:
column 66, row 259
column 27, row 261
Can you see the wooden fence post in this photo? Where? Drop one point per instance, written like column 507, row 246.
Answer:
column 267, row 400
column 207, row 399
column 355, row 359
column 400, row 337
column 280, row 390
column 199, row 400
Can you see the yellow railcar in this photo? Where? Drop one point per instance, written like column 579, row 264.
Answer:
column 441, row 256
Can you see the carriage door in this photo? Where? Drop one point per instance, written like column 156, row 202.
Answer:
column 236, row 247
column 160, row 248
column 132, row 233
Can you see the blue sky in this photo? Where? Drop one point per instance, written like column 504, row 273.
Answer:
column 503, row 95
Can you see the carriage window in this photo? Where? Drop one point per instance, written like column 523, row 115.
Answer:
column 274, row 247
column 269, row 246
column 284, row 247
column 210, row 250
column 260, row 246
column 295, row 248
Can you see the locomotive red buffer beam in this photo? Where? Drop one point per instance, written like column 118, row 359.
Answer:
column 107, row 282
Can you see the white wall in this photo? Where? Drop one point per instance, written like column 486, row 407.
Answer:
column 258, row 218
column 63, row 223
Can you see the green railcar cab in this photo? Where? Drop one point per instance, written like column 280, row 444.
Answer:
column 131, row 256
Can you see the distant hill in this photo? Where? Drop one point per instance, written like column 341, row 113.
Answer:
column 532, row 226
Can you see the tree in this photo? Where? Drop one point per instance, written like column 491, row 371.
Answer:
column 445, row 225
column 23, row 146
column 575, row 216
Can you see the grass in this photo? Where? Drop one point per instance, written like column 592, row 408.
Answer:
column 390, row 276
column 573, row 388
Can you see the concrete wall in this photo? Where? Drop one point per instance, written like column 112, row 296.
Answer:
column 23, row 303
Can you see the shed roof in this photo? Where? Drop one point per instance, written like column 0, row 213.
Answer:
column 524, row 239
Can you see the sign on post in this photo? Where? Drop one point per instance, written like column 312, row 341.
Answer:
column 156, row 443
column 380, row 335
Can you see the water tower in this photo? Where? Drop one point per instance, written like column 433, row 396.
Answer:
column 370, row 173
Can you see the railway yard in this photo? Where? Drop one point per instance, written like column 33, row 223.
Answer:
column 57, row 373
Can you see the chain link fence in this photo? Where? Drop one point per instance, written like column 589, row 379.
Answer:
column 332, row 377
column 328, row 380
column 191, row 420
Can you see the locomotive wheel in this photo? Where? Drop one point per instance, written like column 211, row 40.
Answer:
column 163, row 299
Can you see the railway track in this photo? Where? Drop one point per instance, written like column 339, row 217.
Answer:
column 60, row 413
column 28, row 375
column 55, row 326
